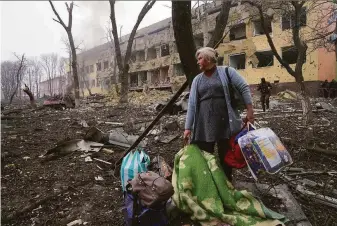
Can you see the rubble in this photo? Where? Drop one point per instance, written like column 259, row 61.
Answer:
column 287, row 94
column 25, row 179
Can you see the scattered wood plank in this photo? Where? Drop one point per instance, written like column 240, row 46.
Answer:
column 100, row 160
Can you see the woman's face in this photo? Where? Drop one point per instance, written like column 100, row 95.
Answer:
column 203, row 63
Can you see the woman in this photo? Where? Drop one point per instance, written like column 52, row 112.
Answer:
column 210, row 115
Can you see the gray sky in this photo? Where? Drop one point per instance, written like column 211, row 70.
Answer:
column 27, row 27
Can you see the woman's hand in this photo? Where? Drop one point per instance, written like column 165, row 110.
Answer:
column 250, row 114
column 187, row 134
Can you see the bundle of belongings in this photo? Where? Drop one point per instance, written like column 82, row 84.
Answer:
column 260, row 149
column 203, row 191
column 145, row 192
column 199, row 186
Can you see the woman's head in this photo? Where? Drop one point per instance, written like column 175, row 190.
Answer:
column 207, row 58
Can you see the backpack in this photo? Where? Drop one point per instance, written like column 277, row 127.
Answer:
column 152, row 189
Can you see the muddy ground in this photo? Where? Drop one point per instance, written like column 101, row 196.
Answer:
column 36, row 192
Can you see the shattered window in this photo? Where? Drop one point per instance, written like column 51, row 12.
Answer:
column 289, row 54
column 258, row 29
column 133, row 80
column 151, row 53
column 266, row 58
column 165, row 50
column 99, row 66
column 106, row 65
column 238, row 61
column 237, row 32
column 288, row 19
column 141, row 55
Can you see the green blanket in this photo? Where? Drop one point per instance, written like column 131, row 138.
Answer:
column 203, row 191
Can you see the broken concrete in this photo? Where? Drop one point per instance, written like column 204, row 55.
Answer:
column 292, row 210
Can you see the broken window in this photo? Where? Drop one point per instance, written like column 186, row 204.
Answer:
column 258, row 29
column 288, row 19
column 99, row 66
column 289, row 54
column 140, row 55
column 134, row 80
column 164, row 78
column 266, row 58
column 106, row 65
column 237, row 32
column 143, row 77
column 151, row 53
column 133, row 57
column 165, row 50
column 178, row 70
column 155, row 77
column 238, row 61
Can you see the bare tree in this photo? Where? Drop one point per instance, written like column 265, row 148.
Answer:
column 112, row 53
column 68, row 28
column 49, row 63
column 8, row 78
column 300, row 38
column 123, row 62
column 11, row 77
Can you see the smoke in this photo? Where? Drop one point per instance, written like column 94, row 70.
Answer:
column 94, row 15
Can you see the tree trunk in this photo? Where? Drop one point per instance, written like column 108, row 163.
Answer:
column 221, row 23
column 31, row 96
column 304, row 99
column 183, row 34
column 124, row 85
column 74, row 67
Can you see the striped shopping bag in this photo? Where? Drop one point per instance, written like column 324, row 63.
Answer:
column 133, row 163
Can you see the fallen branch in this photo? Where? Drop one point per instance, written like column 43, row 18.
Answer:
column 330, row 173
column 315, row 148
column 311, row 147
column 153, row 123
column 326, row 200
column 100, row 160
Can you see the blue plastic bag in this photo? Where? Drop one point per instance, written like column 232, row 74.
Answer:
column 133, row 163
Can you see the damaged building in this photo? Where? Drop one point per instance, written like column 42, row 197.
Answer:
column 155, row 60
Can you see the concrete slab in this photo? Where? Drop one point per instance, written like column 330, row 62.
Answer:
column 292, row 210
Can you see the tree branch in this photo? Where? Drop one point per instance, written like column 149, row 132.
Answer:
column 115, row 35
column 148, row 5
column 57, row 15
column 221, row 23
column 269, row 39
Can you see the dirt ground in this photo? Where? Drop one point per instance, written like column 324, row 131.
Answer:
column 36, row 192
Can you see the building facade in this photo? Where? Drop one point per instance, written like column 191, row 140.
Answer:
column 155, row 60
column 54, row 86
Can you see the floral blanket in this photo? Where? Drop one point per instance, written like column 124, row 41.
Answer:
column 203, row 191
